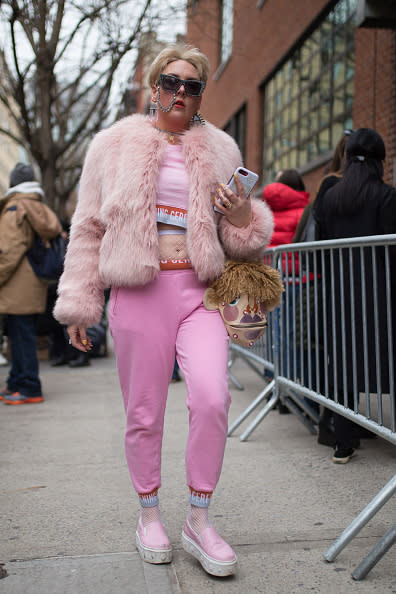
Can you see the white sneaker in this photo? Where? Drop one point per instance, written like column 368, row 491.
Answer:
column 3, row 360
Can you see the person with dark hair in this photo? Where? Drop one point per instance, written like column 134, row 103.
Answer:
column 360, row 204
column 145, row 225
column 23, row 215
column 291, row 178
column 287, row 199
column 306, row 227
column 306, row 231
column 337, row 163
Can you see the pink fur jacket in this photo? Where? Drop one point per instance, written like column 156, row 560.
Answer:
column 114, row 238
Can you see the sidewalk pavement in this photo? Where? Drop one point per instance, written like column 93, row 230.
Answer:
column 68, row 510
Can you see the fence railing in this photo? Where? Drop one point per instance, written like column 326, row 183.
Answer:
column 330, row 342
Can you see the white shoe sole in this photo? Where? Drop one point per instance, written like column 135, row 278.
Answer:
column 210, row 565
column 343, row 460
column 155, row 556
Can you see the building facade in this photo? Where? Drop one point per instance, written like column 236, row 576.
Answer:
column 10, row 150
column 137, row 96
column 288, row 77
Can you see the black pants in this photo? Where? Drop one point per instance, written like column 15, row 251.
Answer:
column 344, row 429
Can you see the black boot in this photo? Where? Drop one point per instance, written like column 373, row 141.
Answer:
column 60, row 360
column 81, row 361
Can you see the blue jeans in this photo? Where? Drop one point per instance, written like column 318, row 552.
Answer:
column 24, row 372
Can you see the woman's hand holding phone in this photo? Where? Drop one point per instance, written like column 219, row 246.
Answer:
column 235, row 205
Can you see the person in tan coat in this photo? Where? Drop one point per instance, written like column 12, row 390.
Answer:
column 23, row 215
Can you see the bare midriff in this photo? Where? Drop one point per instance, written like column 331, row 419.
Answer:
column 166, row 227
column 172, row 247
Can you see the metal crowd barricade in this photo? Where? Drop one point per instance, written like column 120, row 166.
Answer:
column 331, row 342
column 260, row 358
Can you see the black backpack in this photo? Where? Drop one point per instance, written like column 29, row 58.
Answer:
column 47, row 257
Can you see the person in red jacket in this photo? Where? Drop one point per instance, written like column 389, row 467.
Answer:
column 287, row 199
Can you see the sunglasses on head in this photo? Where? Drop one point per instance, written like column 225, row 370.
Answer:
column 171, row 83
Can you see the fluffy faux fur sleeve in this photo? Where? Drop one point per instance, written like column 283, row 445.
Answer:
column 80, row 290
column 223, row 156
column 248, row 243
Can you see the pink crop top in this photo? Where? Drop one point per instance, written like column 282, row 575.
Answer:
column 173, row 186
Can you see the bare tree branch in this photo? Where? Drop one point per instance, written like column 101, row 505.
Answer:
column 13, row 137
column 60, row 62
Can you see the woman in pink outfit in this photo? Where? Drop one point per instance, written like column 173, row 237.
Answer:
column 145, row 226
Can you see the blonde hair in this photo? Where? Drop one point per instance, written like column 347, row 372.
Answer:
column 179, row 51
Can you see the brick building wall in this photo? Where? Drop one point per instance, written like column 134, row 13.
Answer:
column 374, row 103
column 262, row 37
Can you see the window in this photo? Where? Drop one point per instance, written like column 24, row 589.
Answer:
column 227, row 24
column 236, row 128
column 308, row 101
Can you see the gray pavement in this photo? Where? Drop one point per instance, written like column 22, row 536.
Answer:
column 68, row 511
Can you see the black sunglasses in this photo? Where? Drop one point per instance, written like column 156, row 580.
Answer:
column 171, row 83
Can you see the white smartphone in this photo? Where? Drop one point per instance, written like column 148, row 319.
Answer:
column 248, row 179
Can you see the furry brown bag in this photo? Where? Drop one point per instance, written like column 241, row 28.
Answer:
column 243, row 294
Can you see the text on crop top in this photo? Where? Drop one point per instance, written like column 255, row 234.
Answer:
column 172, row 203
column 173, row 188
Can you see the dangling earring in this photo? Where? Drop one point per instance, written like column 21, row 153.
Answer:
column 153, row 112
column 197, row 119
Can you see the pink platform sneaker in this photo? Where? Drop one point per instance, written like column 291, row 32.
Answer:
column 213, row 553
column 153, row 543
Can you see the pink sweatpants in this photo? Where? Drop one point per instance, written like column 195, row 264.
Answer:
column 147, row 325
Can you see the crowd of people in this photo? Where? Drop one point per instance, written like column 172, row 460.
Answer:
column 359, row 204
column 132, row 257
column 352, row 200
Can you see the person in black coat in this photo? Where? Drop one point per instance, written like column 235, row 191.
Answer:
column 306, row 231
column 306, row 228
column 360, row 204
